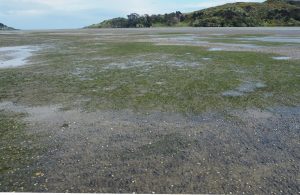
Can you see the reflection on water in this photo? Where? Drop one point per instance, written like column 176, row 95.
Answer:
column 11, row 57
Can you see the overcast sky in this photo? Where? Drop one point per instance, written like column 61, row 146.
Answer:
column 62, row 14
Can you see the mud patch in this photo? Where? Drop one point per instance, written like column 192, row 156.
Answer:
column 232, row 93
column 150, row 61
column 82, row 73
column 254, row 114
column 244, row 88
column 129, row 64
column 35, row 114
column 278, row 39
column 215, row 49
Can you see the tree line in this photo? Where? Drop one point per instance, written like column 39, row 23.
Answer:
column 135, row 20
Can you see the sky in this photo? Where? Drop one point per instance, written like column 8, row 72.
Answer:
column 65, row 14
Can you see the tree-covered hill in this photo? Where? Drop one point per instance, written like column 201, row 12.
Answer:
column 4, row 27
column 268, row 13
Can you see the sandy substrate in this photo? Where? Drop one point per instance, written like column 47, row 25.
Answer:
column 116, row 151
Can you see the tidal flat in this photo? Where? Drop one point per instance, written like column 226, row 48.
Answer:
column 158, row 110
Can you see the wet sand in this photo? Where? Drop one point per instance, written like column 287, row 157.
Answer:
column 118, row 151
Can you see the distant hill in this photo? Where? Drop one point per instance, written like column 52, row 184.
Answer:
column 242, row 14
column 4, row 27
